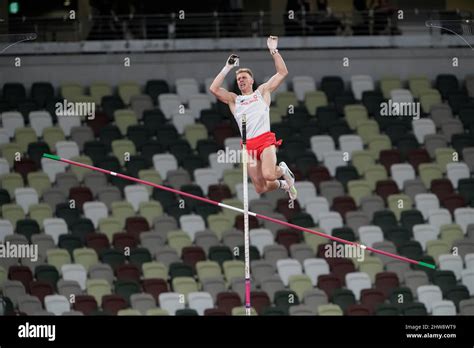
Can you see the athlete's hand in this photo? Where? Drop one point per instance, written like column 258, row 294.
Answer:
column 232, row 61
column 272, row 42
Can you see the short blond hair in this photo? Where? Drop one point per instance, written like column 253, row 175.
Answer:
column 244, row 70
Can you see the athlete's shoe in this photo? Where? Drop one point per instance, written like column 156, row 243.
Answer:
column 290, row 180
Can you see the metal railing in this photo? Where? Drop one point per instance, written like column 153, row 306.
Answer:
column 224, row 25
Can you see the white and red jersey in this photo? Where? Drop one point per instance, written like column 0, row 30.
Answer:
column 256, row 111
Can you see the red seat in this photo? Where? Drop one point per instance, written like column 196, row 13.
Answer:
column 318, row 174
column 239, row 222
column 22, row 274
column 287, row 237
column 80, row 194
column 343, row 205
column 41, row 289
column 340, row 267
column 128, row 272
column 453, row 201
column 214, row 312
column 321, row 252
column 385, row 188
column 418, row 156
column 328, row 283
column 97, row 241
column 386, row 282
column 358, row 310
column 260, row 301
column 85, row 304
column 98, row 122
column 155, row 287
column 299, row 176
column 372, row 298
column 223, row 131
column 135, row 225
column 389, row 157
column 442, row 188
column 193, row 254
column 288, row 210
column 124, row 240
column 25, row 166
column 219, row 192
column 227, row 300
column 113, row 303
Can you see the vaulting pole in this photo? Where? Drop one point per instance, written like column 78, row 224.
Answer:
column 222, row 205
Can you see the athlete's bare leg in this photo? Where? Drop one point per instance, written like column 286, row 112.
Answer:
column 271, row 173
column 265, row 173
column 270, row 170
column 254, row 170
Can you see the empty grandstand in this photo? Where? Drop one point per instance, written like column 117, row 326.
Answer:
column 377, row 121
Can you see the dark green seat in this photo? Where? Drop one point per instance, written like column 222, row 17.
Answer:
column 284, row 299
column 179, row 269
column 411, row 249
column 458, row 293
column 446, row 280
column 466, row 189
column 302, row 219
column 343, row 298
column 166, row 198
column 180, row 149
column 253, row 252
column 414, row 309
column 305, row 161
column 400, row 296
column 126, row 288
column 70, row 242
column 138, row 134
column 186, row 312
column 47, row 273
column 139, row 256
column 27, row 227
column 108, row 134
column 385, row 219
column 398, row 235
column 220, row 253
column 386, row 309
column 344, row 233
column 204, row 209
column 82, row 227
column 410, row 218
column 271, row 311
column 194, row 190
column 70, row 215
column 112, row 257
column 344, row 174
column 429, row 271
column 4, row 197
column 137, row 163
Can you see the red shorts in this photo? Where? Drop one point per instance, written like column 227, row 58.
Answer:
column 255, row 146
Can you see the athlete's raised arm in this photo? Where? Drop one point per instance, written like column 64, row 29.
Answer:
column 281, row 70
column 221, row 93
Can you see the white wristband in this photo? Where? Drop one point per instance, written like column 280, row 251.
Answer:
column 225, row 70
